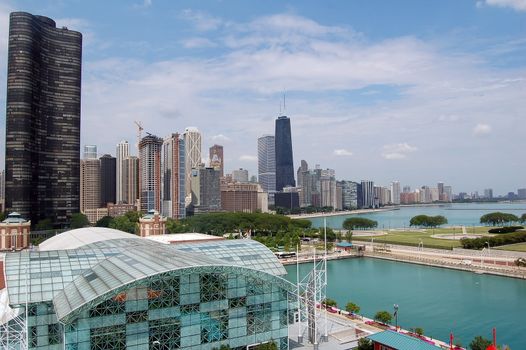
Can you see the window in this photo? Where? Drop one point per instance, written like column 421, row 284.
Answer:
column 136, row 316
column 53, row 331
column 108, row 338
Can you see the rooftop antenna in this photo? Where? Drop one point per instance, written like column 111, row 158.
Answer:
column 284, row 104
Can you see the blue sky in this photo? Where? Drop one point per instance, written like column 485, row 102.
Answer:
column 416, row 91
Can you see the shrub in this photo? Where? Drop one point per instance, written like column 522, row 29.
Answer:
column 505, row 229
column 503, row 239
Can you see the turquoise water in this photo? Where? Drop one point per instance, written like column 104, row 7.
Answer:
column 438, row 300
column 467, row 214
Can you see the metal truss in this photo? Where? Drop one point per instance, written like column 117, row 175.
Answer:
column 13, row 333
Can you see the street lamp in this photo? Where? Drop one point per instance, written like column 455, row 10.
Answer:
column 396, row 316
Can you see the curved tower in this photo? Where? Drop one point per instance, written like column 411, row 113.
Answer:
column 43, row 119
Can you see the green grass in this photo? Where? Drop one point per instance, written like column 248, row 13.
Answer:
column 517, row 247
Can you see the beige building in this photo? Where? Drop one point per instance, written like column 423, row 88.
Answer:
column 96, row 214
column 120, row 209
column 89, row 184
column 130, row 180
column 14, row 232
column 243, row 197
column 152, row 224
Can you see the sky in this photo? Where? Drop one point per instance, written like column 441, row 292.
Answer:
column 415, row 91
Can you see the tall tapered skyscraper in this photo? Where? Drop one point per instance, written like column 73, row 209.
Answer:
column 107, row 179
column 174, row 177
column 123, row 152
column 43, row 119
column 192, row 144
column 284, row 162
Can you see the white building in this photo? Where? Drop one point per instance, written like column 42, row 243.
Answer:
column 192, row 144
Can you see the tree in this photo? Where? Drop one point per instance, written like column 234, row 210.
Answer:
column 329, row 302
column 383, row 317
column 498, row 218
column 419, row 331
column 267, row 346
column 365, row 344
column 348, row 236
column 105, row 221
column 352, row 307
column 79, row 220
column 479, row 343
column 428, row 221
column 123, row 223
column 523, row 218
column 44, row 225
column 360, row 223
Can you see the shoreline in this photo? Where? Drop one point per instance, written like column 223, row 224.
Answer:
column 342, row 213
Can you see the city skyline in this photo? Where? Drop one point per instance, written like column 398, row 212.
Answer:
column 415, row 104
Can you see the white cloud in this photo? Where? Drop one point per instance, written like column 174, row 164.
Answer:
column 144, row 4
column 481, row 129
column 342, row 152
column 220, row 138
column 517, row 5
column 248, row 158
column 397, row 151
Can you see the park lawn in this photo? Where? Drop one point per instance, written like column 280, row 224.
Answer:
column 413, row 238
column 517, row 247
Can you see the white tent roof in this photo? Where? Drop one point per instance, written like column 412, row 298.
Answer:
column 82, row 236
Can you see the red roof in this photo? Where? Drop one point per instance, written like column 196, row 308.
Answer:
column 2, row 278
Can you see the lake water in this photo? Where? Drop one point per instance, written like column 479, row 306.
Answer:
column 438, row 300
column 467, row 214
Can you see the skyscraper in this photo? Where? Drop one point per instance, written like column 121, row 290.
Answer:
column 267, row 163
column 150, row 173
column 367, row 190
column 395, row 192
column 90, row 152
column 206, row 190
column 240, row 175
column 283, row 148
column 174, row 177
column 192, row 145
column 89, row 184
column 216, row 158
column 107, row 179
column 43, row 119
column 123, row 151
column 130, row 179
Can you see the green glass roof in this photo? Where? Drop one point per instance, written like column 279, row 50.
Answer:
column 82, row 274
column 400, row 341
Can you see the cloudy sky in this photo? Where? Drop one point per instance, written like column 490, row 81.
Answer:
column 416, row 91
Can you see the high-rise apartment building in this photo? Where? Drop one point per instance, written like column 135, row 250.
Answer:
column 267, row 163
column 367, row 194
column 241, row 197
column 216, row 158
column 174, row 177
column 123, row 152
column 440, row 187
column 90, row 152
column 89, row 184
column 488, row 193
column 328, row 188
column 284, row 157
column 42, row 160
column 130, row 179
column 206, row 190
column 349, row 195
column 240, row 175
column 192, row 144
column 448, row 193
column 395, row 192
column 108, row 179
column 521, row 193
column 150, row 173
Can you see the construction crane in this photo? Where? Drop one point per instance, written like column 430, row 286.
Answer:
column 139, row 133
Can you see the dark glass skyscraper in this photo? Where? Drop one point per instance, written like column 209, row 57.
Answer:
column 108, row 166
column 43, row 119
column 283, row 147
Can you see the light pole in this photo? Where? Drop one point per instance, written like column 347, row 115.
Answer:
column 396, row 316
column 489, row 250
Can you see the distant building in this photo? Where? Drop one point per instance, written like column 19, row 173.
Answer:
column 2, row 191
column 89, row 184
column 408, row 198
column 284, row 155
column 96, row 214
column 150, row 173
column 216, row 159
column 339, row 195
column 288, row 200
column 521, row 193
column 407, row 189
column 152, row 224
column 192, row 146
column 440, row 187
column 90, row 152
column 328, row 188
column 108, row 176
column 42, row 151
column 267, row 163
column 206, row 190
column 448, row 193
column 130, row 179
column 349, row 195
column 395, row 192
column 434, row 193
column 123, row 152
column 174, row 177
column 488, row 193
column 242, row 197
column 240, row 175
column 14, row 232
column 120, row 209
column 367, row 193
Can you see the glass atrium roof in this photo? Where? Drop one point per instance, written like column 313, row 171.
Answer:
column 72, row 277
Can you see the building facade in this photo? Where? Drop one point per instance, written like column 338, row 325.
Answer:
column 174, row 177
column 349, row 195
column 395, row 192
column 367, row 194
column 240, row 175
column 241, row 197
column 42, row 160
column 89, row 184
column 192, row 146
column 90, row 152
column 152, row 224
column 123, row 152
column 267, row 163
column 216, row 159
column 150, row 173
column 130, row 179
column 14, row 233
column 206, row 190
column 108, row 175
column 284, row 157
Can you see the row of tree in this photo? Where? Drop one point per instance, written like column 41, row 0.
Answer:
column 498, row 218
column 427, row 221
